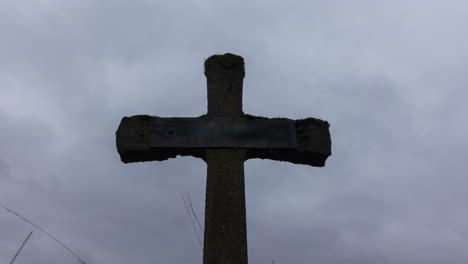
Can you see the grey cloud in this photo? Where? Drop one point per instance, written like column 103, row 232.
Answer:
column 389, row 77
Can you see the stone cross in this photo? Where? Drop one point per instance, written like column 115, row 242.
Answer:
column 224, row 138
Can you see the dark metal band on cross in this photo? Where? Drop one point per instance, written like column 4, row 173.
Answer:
column 224, row 138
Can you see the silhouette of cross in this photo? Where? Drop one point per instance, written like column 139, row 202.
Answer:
column 224, row 138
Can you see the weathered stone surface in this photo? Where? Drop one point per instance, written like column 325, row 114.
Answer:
column 133, row 140
column 312, row 135
column 314, row 145
column 224, row 80
column 225, row 214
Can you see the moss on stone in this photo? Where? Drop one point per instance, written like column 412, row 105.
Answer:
column 228, row 60
column 144, row 117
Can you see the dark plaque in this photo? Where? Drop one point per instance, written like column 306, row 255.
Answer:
column 223, row 133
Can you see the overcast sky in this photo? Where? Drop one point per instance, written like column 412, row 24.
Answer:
column 389, row 76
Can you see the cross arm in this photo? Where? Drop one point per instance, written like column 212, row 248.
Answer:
column 313, row 144
column 145, row 138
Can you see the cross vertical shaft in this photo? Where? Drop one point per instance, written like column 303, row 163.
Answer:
column 225, row 239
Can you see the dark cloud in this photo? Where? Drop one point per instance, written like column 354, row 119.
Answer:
column 389, row 77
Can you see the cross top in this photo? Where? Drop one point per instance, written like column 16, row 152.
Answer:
column 224, row 138
column 224, row 74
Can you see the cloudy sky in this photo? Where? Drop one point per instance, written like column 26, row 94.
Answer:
column 389, row 76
